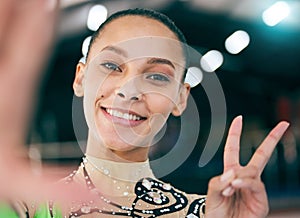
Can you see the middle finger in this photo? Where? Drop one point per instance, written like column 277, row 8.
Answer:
column 265, row 150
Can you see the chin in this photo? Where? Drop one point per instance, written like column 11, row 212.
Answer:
column 122, row 145
column 123, row 151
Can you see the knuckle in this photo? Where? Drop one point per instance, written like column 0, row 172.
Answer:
column 231, row 148
column 249, row 171
column 261, row 152
column 231, row 165
column 273, row 137
column 214, row 183
column 255, row 170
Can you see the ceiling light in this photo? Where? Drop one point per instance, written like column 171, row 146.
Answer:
column 237, row 41
column 276, row 13
column 211, row 61
column 193, row 76
column 97, row 15
column 85, row 45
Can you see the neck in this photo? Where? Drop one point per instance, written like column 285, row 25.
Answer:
column 98, row 149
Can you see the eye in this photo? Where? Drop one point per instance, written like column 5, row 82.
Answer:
column 112, row 66
column 158, row 77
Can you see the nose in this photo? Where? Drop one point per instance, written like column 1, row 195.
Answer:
column 127, row 97
column 129, row 91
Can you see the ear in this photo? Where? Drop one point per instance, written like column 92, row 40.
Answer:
column 182, row 100
column 78, row 84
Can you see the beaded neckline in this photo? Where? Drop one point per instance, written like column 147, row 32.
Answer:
column 155, row 197
column 127, row 172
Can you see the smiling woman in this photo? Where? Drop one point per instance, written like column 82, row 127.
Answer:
column 131, row 82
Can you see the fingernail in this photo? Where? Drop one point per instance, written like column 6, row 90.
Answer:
column 280, row 131
column 240, row 116
column 227, row 191
column 287, row 124
column 236, row 182
column 226, row 175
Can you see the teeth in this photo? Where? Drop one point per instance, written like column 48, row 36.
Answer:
column 125, row 116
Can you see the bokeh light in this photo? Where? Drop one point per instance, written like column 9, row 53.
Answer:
column 85, row 45
column 97, row 15
column 194, row 76
column 276, row 13
column 237, row 41
column 211, row 61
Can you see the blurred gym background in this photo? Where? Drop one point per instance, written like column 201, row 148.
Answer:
column 253, row 47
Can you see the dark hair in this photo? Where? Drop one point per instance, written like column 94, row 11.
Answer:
column 148, row 13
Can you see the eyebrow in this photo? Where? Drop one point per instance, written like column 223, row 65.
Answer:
column 160, row 61
column 150, row 61
column 115, row 49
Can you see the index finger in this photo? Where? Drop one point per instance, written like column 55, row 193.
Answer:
column 265, row 150
column 232, row 146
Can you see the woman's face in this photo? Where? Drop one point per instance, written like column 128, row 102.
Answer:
column 131, row 82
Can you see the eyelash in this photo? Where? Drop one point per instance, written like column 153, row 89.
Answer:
column 158, row 77
column 111, row 66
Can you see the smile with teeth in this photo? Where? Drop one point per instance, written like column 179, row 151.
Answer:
column 126, row 116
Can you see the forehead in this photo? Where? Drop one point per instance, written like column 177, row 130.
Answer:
column 133, row 26
column 140, row 37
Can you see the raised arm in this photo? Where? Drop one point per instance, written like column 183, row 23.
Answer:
column 26, row 31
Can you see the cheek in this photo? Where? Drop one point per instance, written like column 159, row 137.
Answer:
column 98, row 85
column 158, row 104
column 160, row 108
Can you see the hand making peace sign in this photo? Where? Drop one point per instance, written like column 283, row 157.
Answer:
column 239, row 191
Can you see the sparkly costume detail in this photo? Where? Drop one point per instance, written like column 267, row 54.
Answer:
column 158, row 198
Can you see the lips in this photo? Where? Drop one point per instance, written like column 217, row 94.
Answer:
column 123, row 117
